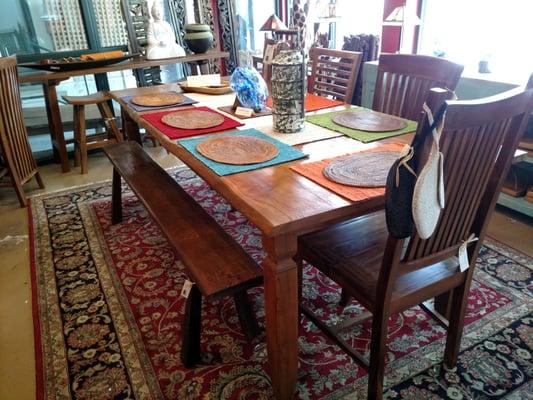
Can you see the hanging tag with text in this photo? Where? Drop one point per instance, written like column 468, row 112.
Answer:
column 186, row 289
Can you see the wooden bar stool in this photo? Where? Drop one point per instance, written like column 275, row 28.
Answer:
column 84, row 143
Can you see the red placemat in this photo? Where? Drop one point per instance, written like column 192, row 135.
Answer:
column 314, row 102
column 314, row 171
column 177, row 133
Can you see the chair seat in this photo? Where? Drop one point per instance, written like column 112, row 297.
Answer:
column 95, row 98
column 351, row 252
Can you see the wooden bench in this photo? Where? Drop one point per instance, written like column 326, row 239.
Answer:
column 215, row 262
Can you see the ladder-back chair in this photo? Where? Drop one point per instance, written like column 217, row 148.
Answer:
column 333, row 73
column 388, row 275
column 404, row 81
column 15, row 149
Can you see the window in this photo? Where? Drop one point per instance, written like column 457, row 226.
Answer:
column 480, row 30
column 250, row 15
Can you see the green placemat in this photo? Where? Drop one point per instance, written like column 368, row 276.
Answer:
column 324, row 120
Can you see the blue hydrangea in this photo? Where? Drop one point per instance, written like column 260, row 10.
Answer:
column 250, row 87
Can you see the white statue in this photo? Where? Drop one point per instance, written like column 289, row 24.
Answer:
column 161, row 38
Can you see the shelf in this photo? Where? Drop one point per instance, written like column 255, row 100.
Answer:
column 519, row 204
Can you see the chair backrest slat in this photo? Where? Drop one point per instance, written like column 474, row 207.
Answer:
column 478, row 142
column 404, row 81
column 14, row 143
column 333, row 73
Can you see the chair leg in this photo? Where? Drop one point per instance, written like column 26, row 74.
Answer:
column 110, row 122
column 20, row 192
column 456, row 324
column 116, row 198
column 39, row 180
column 246, row 315
column 81, row 136
column 376, row 370
column 191, row 335
column 77, row 156
column 345, row 298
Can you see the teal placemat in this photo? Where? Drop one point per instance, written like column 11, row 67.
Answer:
column 324, row 120
column 286, row 152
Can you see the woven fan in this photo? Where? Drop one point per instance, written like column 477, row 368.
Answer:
column 158, row 100
column 362, row 169
column 238, row 150
column 193, row 119
column 370, row 121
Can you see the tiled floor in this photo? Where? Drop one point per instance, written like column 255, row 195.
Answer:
column 17, row 370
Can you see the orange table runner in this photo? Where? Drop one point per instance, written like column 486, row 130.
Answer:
column 314, row 102
column 314, row 171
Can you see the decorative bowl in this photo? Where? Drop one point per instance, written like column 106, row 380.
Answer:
column 191, row 28
column 199, row 42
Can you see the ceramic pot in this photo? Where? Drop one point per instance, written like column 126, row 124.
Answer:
column 191, row 28
column 288, row 91
column 199, row 42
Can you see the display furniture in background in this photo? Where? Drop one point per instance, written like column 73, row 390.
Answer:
column 404, row 81
column 136, row 17
column 333, row 73
column 368, row 45
column 17, row 162
column 388, row 275
column 82, row 142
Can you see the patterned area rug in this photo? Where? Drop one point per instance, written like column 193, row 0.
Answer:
column 108, row 317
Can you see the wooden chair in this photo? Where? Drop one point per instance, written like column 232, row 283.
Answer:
column 404, row 80
column 84, row 143
column 388, row 275
column 15, row 149
column 333, row 73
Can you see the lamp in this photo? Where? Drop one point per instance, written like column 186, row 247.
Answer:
column 399, row 17
column 273, row 24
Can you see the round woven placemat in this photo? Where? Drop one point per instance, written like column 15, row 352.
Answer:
column 238, row 150
column 158, row 100
column 370, row 121
column 193, row 119
column 364, row 169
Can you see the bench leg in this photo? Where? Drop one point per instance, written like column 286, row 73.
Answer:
column 191, row 335
column 116, row 198
column 246, row 315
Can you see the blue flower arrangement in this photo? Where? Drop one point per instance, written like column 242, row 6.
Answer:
column 250, row 87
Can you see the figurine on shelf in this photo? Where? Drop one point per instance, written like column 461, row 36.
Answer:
column 161, row 38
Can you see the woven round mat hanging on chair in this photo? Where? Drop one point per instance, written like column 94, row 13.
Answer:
column 193, row 119
column 369, row 121
column 238, row 150
column 158, row 100
column 362, row 169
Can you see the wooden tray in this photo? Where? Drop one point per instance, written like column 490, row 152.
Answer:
column 193, row 119
column 216, row 90
column 370, row 121
column 158, row 99
column 72, row 66
column 238, row 150
column 363, row 170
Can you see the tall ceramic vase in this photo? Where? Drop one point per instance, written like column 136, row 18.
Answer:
column 288, row 91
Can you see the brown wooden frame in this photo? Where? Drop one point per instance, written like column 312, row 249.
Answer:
column 333, row 73
column 404, row 81
column 478, row 142
column 14, row 145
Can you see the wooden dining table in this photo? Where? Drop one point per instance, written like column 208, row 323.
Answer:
column 50, row 81
column 283, row 205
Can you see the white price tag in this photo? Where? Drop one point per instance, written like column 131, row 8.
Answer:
column 464, row 264
column 244, row 112
column 203, row 80
column 186, row 289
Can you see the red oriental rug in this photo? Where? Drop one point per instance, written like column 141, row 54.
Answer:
column 108, row 315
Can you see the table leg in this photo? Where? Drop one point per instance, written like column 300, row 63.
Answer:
column 57, row 134
column 282, row 315
column 130, row 128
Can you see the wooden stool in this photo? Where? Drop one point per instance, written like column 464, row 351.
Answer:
column 84, row 143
